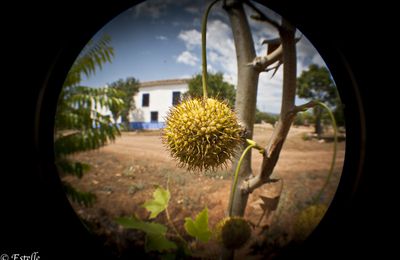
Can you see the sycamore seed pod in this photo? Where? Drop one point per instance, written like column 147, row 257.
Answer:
column 202, row 134
column 308, row 219
column 233, row 232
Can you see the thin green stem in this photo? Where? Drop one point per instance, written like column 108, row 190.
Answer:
column 318, row 197
column 203, row 48
column 174, row 228
column 236, row 176
column 170, row 221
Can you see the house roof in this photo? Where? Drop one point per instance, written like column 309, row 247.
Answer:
column 164, row 82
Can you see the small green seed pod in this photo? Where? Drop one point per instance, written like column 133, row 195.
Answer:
column 308, row 220
column 233, row 232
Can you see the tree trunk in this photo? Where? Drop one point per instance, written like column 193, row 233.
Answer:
column 246, row 99
column 288, row 110
column 318, row 123
column 246, row 92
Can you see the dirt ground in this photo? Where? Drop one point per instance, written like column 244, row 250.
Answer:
column 124, row 174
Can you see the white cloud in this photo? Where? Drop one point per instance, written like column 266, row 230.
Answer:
column 220, row 47
column 221, row 57
column 270, row 91
column 185, row 76
column 317, row 59
column 192, row 9
column 188, row 58
column 153, row 9
column 307, row 54
column 161, row 37
column 191, row 38
column 212, row 56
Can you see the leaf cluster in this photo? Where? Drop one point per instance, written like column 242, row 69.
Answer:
column 81, row 123
column 216, row 87
column 156, row 234
column 127, row 89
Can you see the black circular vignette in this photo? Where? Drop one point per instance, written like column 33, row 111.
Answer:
column 38, row 217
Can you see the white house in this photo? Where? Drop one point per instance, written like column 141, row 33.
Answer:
column 153, row 102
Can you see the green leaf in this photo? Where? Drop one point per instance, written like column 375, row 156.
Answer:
column 147, row 227
column 159, row 202
column 168, row 257
column 155, row 233
column 199, row 228
column 86, row 199
column 159, row 242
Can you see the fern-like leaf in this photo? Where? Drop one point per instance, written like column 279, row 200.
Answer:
column 72, row 168
column 84, row 198
column 93, row 56
column 79, row 126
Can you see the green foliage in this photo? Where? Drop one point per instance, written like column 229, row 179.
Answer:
column 198, row 228
column 73, row 168
column 93, row 56
column 266, row 117
column 304, row 118
column 79, row 126
column 127, row 89
column 156, row 239
column 308, row 219
column 338, row 113
column 159, row 202
column 84, row 198
column 216, row 87
column 316, row 84
column 155, row 233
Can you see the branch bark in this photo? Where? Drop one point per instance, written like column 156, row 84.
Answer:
column 246, row 99
column 260, row 16
column 288, row 110
column 262, row 62
column 246, row 92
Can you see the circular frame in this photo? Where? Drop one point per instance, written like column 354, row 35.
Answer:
column 337, row 58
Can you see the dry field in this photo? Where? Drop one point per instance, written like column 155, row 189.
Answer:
column 125, row 173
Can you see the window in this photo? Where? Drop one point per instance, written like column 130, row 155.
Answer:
column 176, row 98
column 145, row 100
column 154, row 116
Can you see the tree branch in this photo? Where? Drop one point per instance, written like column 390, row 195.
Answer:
column 304, row 107
column 260, row 16
column 275, row 68
column 246, row 91
column 261, row 63
column 288, row 110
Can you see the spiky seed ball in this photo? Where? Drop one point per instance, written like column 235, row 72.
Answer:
column 233, row 232
column 202, row 134
column 308, row 219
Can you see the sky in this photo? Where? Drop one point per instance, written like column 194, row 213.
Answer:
column 161, row 39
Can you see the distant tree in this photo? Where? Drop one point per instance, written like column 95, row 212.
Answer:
column 317, row 84
column 78, row 124
column 299, row 120
column 338, row 112
column 304, row 118
column 127, row 88
column 216, row 86
column 266, row 117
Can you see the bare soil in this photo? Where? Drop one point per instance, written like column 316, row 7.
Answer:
column 124, row 174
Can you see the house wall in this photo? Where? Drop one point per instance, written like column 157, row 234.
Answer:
column 160, row 101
